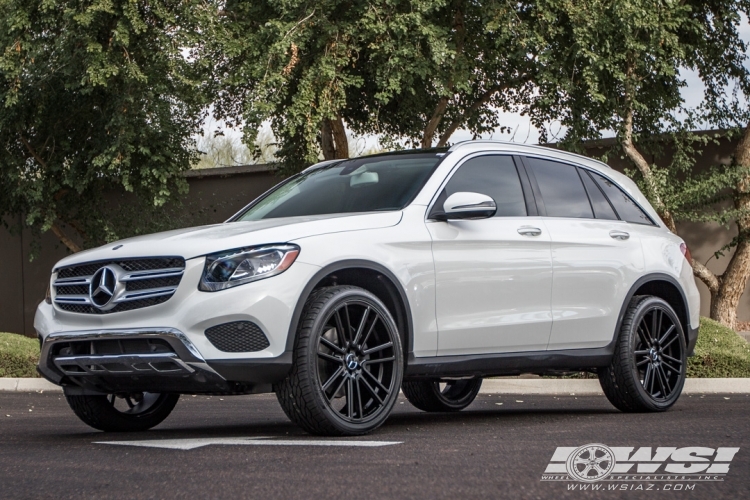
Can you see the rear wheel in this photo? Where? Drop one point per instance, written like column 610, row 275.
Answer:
column 123, row 412
column 347, row 364
column 436, row 395
column 648, row 368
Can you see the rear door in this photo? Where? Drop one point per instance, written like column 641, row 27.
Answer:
column 493, row 275
column 595, row 255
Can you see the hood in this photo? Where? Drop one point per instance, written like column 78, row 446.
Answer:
column 197, row 241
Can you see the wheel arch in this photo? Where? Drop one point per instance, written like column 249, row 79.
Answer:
column 365, row 274
column 666, row 288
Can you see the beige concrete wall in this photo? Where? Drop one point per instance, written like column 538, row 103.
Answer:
column 215, row 195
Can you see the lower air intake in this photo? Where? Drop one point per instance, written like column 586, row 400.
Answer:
column 237, row 336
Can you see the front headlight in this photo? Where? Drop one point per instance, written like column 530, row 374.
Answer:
column 243, row 265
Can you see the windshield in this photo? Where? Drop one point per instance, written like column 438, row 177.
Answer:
column 375, row 183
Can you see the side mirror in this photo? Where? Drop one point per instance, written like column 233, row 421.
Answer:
column 464, row 205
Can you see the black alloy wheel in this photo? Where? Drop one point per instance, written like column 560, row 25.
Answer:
column 347, row 364
column 441, row 395
column 126, row 412
column 648, row 369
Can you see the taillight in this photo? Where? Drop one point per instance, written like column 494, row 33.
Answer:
column 686, row 252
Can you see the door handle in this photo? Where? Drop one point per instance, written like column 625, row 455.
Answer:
column 529, row 231
column 619, row 235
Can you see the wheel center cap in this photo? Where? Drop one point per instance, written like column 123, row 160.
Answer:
column 351, row 361
column 654, row 354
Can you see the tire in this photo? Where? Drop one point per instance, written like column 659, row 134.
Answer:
column 102, row 412
column 427, row 395
column 648, row 369
column 347, row 364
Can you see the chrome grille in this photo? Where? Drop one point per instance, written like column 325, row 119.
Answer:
column 139, row 283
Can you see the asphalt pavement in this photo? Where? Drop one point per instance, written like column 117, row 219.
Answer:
column 244, row 447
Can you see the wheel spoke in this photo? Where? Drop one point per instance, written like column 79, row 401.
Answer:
column 645, row 338
column 674, row 337
column 674, row 360
column 375, row 361
column 340, row 329
column 359, row 398
column 361, row 325
column 378, row 348
column 666, row 334
column 643, row 361
column 377, row 382
column 338, row 388
column 333, row 377
column 371, row 390
column 369, row 330
column 654, row 333
column 647, row 377
column 657, row 331
column 331, row 345
column 348, row 323
column 330, row 358
column 665, row 381
column 661, row 382
column 129, row 402
column 349, row 397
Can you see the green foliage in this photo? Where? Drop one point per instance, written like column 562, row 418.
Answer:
column 19, row 356
column 719, row 353
column 94, row 96
column 384, row 67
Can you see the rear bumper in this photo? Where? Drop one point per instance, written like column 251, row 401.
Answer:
column 692, row 338
column 160, row 360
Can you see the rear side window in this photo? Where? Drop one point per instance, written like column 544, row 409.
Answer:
column 494, row 176
column 561, row 187
column 625, row 207
column 600, row 204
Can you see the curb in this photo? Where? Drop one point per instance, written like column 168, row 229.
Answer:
column 568, row 387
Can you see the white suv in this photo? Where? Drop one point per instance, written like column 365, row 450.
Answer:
column 420, row 270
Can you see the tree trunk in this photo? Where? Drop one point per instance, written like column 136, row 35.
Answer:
column 339, row 139
column 333, row 140
column 326, row 141
column 72, row 246
column 734, row 280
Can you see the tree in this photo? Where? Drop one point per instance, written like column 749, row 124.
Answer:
column 93, row 95
column 415, row 69
column 617, row 66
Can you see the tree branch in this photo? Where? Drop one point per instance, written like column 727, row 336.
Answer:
column 465, row 115
column 706, row 276
column 437, row 115
column 640, row 162
column 33, row 152
column 72, row 246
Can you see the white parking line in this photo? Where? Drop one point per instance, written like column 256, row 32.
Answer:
column 189, row 444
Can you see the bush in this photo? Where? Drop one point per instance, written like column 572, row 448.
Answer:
column 18, row 356
column 719, row 353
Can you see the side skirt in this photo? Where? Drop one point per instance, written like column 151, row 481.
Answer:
column 492, row 365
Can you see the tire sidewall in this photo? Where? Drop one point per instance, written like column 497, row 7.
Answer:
column 310, row 368
column 642, row 308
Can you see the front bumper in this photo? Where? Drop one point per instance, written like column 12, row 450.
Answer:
column 149, row 360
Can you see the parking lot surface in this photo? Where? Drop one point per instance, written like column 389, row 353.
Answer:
column 245, row 447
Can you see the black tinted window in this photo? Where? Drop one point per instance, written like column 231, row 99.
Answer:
column 562, row 191
column 626, row 208
column 602, row 208
column 494, row 176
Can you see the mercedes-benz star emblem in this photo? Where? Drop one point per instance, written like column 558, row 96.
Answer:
column 102, row 287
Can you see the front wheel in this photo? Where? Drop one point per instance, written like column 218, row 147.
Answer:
column 347, row 364
column 123, row 412
column 648, row 368
column 436, row 395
